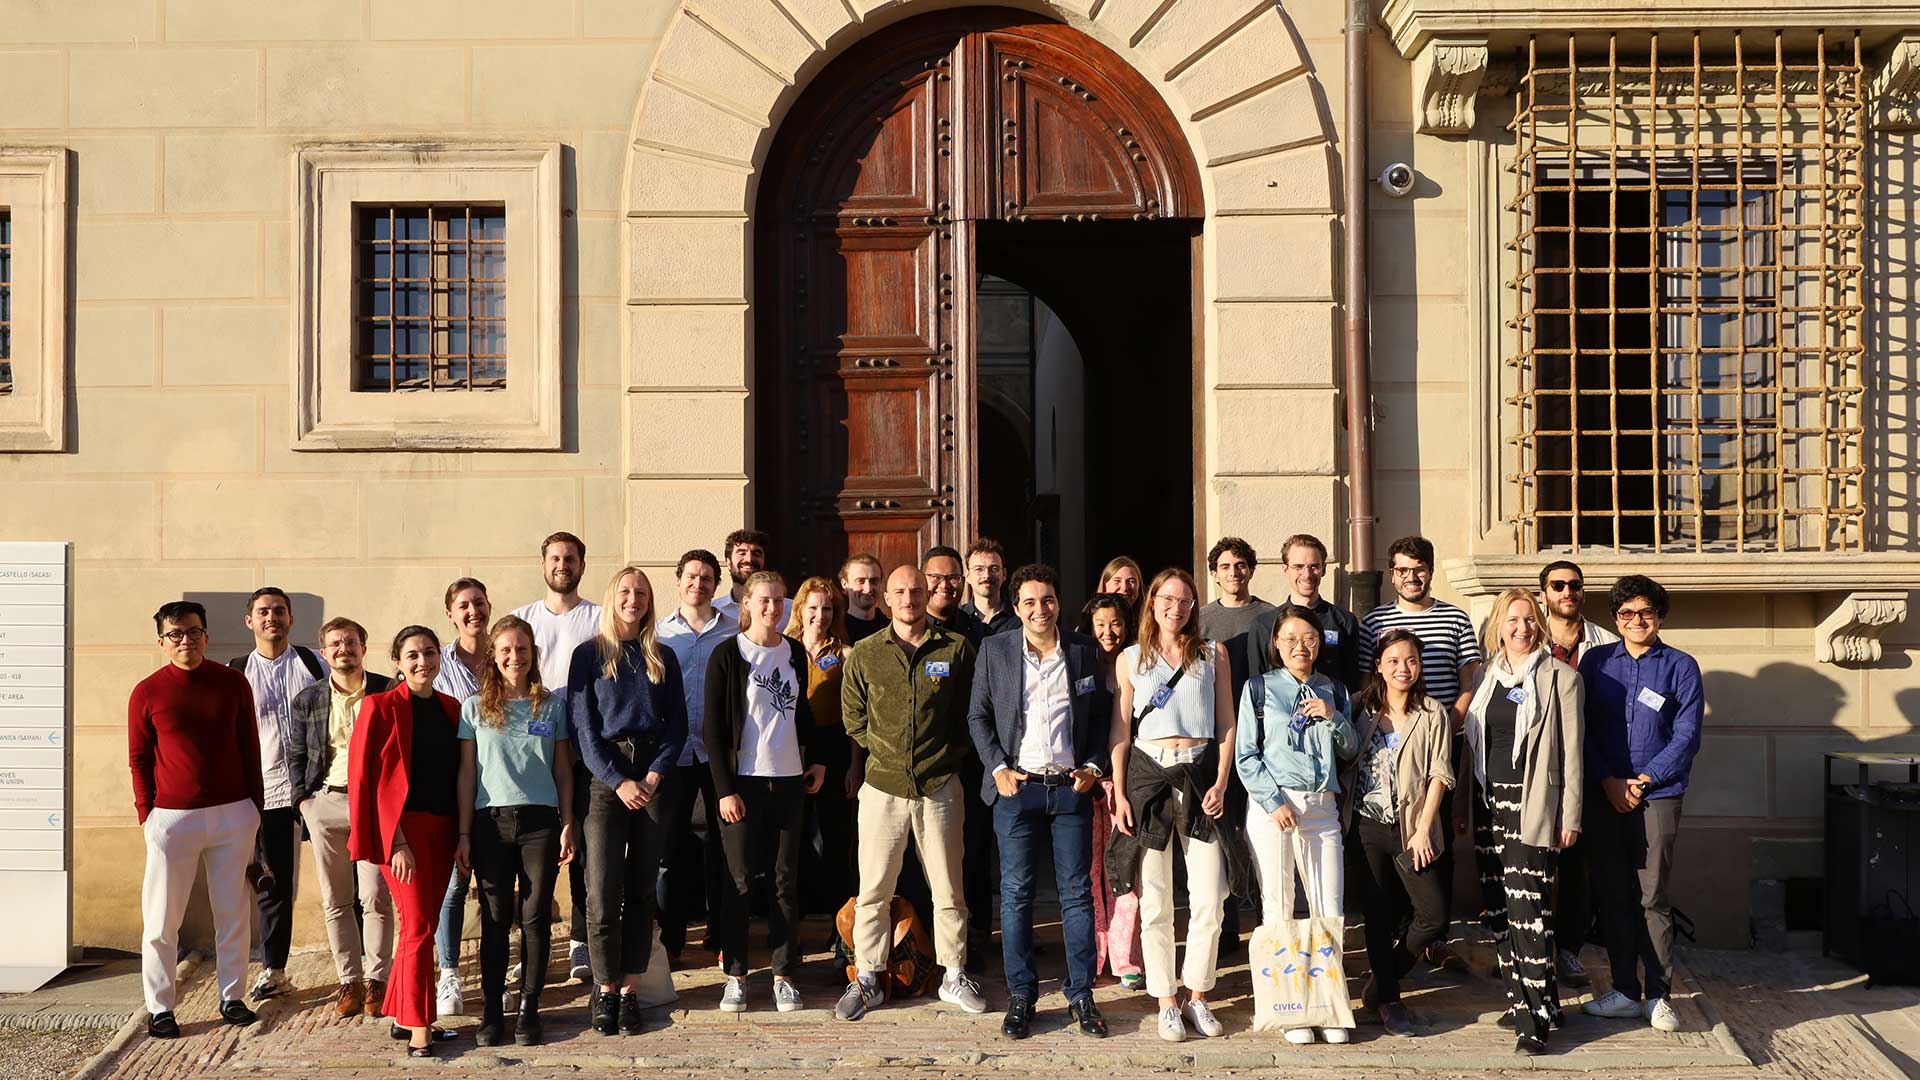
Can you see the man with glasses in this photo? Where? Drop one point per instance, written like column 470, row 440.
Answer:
column 194, row 750
column 1449, row 665
column 1304, row 559
column 1644, row 704
column 946, row 587
column 278, row 670
column 1563, row 593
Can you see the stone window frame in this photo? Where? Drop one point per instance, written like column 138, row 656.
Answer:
column 330, row 178
column 34, row 188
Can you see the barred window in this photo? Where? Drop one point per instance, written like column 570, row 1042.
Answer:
column 430, row 298
column 6, row 302
column 1686, row 295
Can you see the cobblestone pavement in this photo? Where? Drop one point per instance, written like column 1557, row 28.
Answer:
column 1801, row 1034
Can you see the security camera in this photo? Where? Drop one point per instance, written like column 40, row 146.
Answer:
column 1397, row 179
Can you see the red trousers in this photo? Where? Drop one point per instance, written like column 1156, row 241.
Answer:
column 410, row 990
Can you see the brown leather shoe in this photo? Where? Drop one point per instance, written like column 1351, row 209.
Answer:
column 352, row 997
column 376, row 997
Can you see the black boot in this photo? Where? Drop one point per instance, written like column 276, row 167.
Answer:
column 606, row 1012
column 527, row 1032
column 493, row 1024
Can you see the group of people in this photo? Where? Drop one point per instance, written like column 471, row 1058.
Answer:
column 921, row 718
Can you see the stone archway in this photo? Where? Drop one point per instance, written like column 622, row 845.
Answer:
column 1244, row 95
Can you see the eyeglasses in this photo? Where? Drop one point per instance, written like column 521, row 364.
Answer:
column 1412, row 571
column 1566, row 586
column 946, row 579
column 1295, row 641
column 1177, row 603
column 1641, row 614
column 1307, row 567
column 191, row 633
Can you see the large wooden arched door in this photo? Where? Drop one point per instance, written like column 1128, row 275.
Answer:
column 864, row 377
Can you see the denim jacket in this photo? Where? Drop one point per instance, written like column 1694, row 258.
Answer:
column 1293, row 756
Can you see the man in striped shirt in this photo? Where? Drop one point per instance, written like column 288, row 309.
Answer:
column 1449, row 664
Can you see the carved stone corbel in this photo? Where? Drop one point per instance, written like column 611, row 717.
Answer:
column 1851, row 635
column 1896, row 87
column 1448, row 73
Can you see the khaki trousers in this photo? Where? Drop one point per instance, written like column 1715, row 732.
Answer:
column 934, row 822
column 341, row 880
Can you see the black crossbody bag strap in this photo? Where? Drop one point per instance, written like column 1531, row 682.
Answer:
column 1178, row 674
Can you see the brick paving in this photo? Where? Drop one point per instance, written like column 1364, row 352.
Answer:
column 298, row 1037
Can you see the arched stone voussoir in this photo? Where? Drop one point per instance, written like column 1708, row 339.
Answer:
column 710, row 64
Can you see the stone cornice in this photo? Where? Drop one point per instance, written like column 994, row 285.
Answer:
column 1411, row 24
column 1448, row 73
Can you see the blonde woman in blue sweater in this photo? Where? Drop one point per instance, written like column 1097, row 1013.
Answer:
column 1293, row 735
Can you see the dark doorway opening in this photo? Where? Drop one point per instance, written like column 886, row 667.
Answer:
column 1099, row 462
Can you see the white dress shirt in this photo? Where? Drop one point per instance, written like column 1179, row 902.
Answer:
column 1046, row 744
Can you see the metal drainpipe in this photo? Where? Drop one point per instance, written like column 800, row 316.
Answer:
column 1356, row 380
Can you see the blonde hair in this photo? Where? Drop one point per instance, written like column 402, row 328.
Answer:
column 607, row 642
column 1490, row 642
column 758, row 577
column 1114, row 567
column 1191, row 645
column 837, row 600
column 493, row 683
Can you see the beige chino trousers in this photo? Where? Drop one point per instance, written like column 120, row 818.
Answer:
column 934, row 823
column 341, row 878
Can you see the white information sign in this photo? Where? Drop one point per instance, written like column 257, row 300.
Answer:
column 35, row 839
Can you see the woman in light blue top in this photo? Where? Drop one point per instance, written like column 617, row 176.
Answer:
column 1293, row 732
column 516, row 819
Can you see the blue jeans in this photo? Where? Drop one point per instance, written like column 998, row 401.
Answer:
column 453, row 920
column 1064, row 818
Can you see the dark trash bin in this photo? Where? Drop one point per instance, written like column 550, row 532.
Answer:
column 1872, row 827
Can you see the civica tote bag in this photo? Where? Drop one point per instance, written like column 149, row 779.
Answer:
column 1298, row 977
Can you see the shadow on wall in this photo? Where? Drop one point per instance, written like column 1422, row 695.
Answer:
column 227, row 627
column 1892, row 332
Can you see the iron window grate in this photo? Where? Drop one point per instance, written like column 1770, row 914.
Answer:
column 1687, row 297
column 430, row 304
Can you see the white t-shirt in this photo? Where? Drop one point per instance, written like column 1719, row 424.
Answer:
column 770, row 737
column 556, row 636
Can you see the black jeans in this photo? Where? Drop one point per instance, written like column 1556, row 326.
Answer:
column 577, row 869
column 828, row 874
column 514, row 848
column 279, row 836
column 623, row 858
column 1386, row 885
column 982, row 880
column 1631, row 856
column 695, row 869
column 766, row 839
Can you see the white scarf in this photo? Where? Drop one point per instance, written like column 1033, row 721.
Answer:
column 1498, row 676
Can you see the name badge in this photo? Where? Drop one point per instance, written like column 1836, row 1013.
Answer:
column 1517, row 695
column 1652, row 700
column 938, row 669
column 542, row 728
column 1083, row 686
column 1332, row 636
column 1393, row 740
column 1161, row 697
column 827, row 662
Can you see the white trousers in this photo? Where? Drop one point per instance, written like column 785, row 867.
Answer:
column 1312, row 849
column 177, row 842
column 1206, row 895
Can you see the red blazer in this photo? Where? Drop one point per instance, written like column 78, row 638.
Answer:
column 378, row 758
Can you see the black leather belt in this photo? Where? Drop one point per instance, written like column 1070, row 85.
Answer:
column 1051, row 780
column 337, row 789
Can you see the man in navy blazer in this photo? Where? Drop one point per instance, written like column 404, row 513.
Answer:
column 1039, row 715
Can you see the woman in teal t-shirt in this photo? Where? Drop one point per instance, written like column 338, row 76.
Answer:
column 516, row 819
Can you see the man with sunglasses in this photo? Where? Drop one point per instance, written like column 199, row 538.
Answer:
column 1570, row 634
column 1644, row 704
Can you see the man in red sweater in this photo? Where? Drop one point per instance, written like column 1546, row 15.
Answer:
column 195, row 755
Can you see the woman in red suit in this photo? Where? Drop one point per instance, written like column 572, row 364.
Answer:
column 401, row 781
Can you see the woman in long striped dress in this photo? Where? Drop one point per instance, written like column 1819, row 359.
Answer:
column 1524, row 734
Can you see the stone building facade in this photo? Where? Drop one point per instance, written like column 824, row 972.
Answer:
column 189, row 404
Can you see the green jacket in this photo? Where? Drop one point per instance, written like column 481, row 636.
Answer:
column 910, row 715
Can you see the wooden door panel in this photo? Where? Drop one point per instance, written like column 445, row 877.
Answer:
column 877, row 291
column 878, row 437
column 1069, row 167
column 895, row 539
column 888, row 154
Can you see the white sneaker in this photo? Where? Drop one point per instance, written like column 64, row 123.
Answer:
column 734, row 997
column 272, row 983
column 1660, row 1014
column 1614, row 1006
column 1171, row 1027
column 447, row 999
column 960, row 989
column 785, row 997
column 1202, row 1019
column 1299, row 1036
column 579, row 965
column 1335, row 1035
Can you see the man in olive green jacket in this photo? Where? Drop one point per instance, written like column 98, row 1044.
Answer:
column 904, row 699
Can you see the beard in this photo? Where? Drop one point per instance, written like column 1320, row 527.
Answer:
column 740, row 576
column 562, row 581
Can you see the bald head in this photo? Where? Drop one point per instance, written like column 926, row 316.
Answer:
column 907, row 596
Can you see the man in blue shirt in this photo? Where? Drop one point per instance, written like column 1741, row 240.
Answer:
column 1644, row 705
